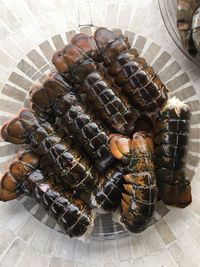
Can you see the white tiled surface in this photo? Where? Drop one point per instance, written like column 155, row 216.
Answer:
column 24, row 241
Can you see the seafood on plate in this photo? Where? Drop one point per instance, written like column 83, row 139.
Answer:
column 140, row 190
column 26, row 177
column 171, row 145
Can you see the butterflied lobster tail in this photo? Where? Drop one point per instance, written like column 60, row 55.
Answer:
column 57, row 150
column 84, row 71
column 171, row 139
column 24, row 166
column 138, row 80
column 138, row 200
column 56, row 98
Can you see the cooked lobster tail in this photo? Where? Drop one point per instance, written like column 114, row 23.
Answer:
column 171, row 139
column 138, row 200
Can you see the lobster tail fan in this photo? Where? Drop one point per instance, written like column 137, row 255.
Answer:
column 88, row 45
column 13, row 131
column 8, row 187
column 59, row 61
column 104, row 37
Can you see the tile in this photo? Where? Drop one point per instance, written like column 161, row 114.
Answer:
column 161, row 61
column 194, row 133
column 4, row 33
column 8, row 149
column 6, row 239
column 190, row 248
column 138, row 246
column 149, row 261
column 95, row 252
column 194, row 105
column 20, row 81
column 68, row 264
column 47, row 50
column 169, row 71
column 179, row 256
column 163, row 258
column 111, row 14
column 28, row 229
column 13, row 254
column 178, row 81
column 140, row 43
column 194, row 232
column 123, row 249
column 26, row 68
column 153, row 239
column 192, row 160
column 130, row 35
column 18, row 220
column 81, row 252
column 124, row 16
column 40, row 238
column 195, row 119
column 8, row 18
column 5, row 60
column 185, row 93
column 55, row 262
column 109, row 251
column 151, row 52
column 33, row 28
column 125, row 264
column 46, row 25
column 69, row 35
column 193, row 146
column 58, row 41
column 11, row 47
column 32, row 258
column 165, row 231
column 36, row 58
column 13, row 92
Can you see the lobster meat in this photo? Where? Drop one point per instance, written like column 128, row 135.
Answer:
column 138, row 200
column 171, row 143
column 57, row 98
column 25, row 176
column 58, row 152
column 187, row 24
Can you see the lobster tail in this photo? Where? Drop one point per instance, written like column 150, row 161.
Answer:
column 140, row 190
column 171, row 139
column 12, row 181
column 17, row 130
column 88, row 45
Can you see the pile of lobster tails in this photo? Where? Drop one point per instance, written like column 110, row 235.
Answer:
column 101, row 136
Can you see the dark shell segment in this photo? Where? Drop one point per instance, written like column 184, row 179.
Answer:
column 171, row 139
